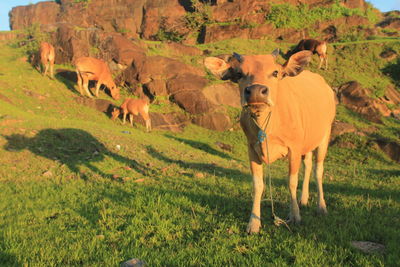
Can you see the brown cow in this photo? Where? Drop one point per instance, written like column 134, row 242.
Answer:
column 47, row 56
column 294, row 108
column 316, row 47
column 88, row 68
column 133, row 107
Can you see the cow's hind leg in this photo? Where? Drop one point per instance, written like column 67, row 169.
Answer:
column 307, row 173
column 131, row 119
column 85, row 84
column 319, row 170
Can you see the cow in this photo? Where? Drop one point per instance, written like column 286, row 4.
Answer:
column 287, row 111
column 316, row 47
column 47, row 56
column 133, row 107
column 88, row 68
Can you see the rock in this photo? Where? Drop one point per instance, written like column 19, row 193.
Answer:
column 224, row 146
column 223, row 94
column 339, row 128
column 185, row 82
column 121, row 50
column 218, row 121
column 358, row 99
column 368, row 247
column 6, row 99
column 133, row 263
column 101, row 105
column 388, row 54
column 199, row 175
column 41, row 13
column 193, row 101
column 47, row 174
column 392, row 149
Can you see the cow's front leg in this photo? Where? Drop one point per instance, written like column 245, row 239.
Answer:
column 258, row 189
column 294, row 165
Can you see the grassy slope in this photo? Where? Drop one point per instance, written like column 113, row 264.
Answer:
column 69, row 197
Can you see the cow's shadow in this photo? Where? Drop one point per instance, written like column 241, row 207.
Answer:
column 72, row 147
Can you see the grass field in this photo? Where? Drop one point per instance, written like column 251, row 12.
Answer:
column 69, row 197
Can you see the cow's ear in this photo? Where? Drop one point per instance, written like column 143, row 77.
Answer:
column 296, row 63
column 216, row 65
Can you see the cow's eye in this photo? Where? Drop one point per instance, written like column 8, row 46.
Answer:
column 275, row 74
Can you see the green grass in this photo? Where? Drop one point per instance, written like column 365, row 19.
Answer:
column 70, row 197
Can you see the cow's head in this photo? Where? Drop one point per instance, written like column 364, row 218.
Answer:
column 258, row 76
column 115, row 113
column 114, row 90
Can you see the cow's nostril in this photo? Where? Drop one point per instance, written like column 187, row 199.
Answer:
column 264, row 91
column 247, row 91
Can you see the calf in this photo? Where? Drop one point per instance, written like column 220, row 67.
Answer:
column 133, row 107
column 88, row 68
column 286, row 112
column 47, row 56
column 316, row 47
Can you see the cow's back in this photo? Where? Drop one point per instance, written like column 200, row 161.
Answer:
column 308, row 106
column 90, row 65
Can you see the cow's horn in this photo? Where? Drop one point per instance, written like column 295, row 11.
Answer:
column 238, row 57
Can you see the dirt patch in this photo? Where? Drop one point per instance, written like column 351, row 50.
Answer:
column 6, row 99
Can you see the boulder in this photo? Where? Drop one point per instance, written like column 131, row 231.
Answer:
column 358, row 99
column 101, row 105
column 223, row 94
column 122, row 50
column 193, row 101
column 339, row 128
column 185, row 82
column 216, row 120
column 392, row 149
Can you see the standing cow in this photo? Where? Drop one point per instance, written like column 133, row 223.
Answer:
column 287, row 112
column 47, row 56
column 316, row 47
column 88, row 68
column 133, row 107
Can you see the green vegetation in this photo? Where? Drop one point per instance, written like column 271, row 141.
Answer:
column 70, row 197
column 302, row 16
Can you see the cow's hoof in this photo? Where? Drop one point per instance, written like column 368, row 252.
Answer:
column 254, row 226
column 322, row 210
column 294, row 218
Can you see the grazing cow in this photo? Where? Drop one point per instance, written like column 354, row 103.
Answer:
column 88, row 68
column 286, row 112
column 47, row 56
column 316, row 47
column 133, row 107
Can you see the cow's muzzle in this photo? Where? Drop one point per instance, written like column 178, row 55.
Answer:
column 256, row 94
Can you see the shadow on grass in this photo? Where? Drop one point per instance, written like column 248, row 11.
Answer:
column 201, row 146
column 7, row 259
column 211, row 169
column 72, row 147
column 68, row 78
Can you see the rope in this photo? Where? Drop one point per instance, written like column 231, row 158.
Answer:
column 262, row 136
